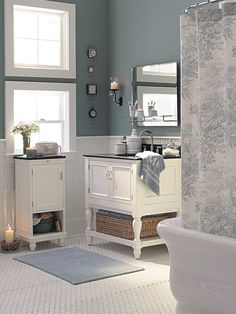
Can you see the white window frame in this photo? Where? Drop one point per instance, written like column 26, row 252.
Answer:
column 11, row 86
column 10, row 69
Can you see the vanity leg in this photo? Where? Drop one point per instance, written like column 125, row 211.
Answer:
column 32, row 246
column 137, row 225
column 61, row 242
column 89, row 219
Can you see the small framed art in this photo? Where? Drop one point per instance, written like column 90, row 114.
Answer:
column 92, row 113
column 91, row 53
column 91, row 89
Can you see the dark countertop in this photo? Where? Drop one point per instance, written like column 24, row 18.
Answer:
column 113, row 156
column 38, row 157
column 127, row 156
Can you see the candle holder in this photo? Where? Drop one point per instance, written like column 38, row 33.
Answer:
column 10, row 247
column 114, row 89
column 9, row 243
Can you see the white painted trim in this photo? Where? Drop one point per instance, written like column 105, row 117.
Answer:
column 10, row 86
column 10, row 70
column 155, row 136
column 92, row 136
column 120, row 136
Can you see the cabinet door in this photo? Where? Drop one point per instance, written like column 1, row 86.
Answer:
column 98, row 180
column 169, row 185
column 121, row 183
column 47, row 187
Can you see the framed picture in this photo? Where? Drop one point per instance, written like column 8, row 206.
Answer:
column 92, row 113
column 91, row 53
column 91, row 89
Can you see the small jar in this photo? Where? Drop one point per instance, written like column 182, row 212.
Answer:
column 139, row 113
column 31, row 152
column 120, row 149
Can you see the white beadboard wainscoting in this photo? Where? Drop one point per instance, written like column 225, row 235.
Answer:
column 74, row 171
column 7, row 175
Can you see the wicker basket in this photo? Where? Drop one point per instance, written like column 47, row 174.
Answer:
column 120, row 225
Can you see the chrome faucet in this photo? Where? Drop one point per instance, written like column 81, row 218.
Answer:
column 149, row 132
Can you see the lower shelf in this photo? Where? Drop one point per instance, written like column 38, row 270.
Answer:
column 48, row 236
column 144, row 242
column 32, row 240
column 42, row 237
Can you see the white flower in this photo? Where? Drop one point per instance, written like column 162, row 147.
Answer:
column 25, row 129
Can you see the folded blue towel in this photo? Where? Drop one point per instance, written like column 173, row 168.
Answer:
column 152, row 165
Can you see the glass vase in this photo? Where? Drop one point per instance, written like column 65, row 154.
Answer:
column 26, row 143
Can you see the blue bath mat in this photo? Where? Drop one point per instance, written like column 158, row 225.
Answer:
column 76, row 265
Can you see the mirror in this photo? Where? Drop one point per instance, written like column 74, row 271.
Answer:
column 154, row 87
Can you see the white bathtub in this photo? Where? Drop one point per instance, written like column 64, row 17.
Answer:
column 202, row 269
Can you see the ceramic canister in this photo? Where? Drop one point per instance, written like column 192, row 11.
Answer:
column 133, row 143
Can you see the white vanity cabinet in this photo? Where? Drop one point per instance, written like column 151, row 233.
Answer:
column 39, row 189
column 110, row 182
column 113, row 184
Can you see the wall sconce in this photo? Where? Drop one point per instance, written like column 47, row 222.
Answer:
column 114, row 88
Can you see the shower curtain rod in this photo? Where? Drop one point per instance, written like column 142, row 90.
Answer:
column 198, row 4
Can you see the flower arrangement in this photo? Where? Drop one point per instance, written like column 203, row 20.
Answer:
column 25, row 129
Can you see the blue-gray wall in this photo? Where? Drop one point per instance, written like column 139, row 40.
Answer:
column 1, row 72
column 141, row 32
column 92, row 31
column 126, row 33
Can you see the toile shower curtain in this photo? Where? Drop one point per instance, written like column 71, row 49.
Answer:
column 208, row 93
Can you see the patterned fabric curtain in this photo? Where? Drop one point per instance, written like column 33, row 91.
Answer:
column 208, row 61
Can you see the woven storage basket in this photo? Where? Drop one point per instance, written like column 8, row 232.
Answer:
column 44, row 226
column 120, row 225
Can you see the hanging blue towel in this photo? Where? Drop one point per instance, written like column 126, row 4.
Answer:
column 152, row 165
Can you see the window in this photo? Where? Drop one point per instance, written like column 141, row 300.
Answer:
column 40, row 38
column 50, row 105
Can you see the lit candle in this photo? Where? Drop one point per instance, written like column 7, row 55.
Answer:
column 114, row 85
column 9, row 235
